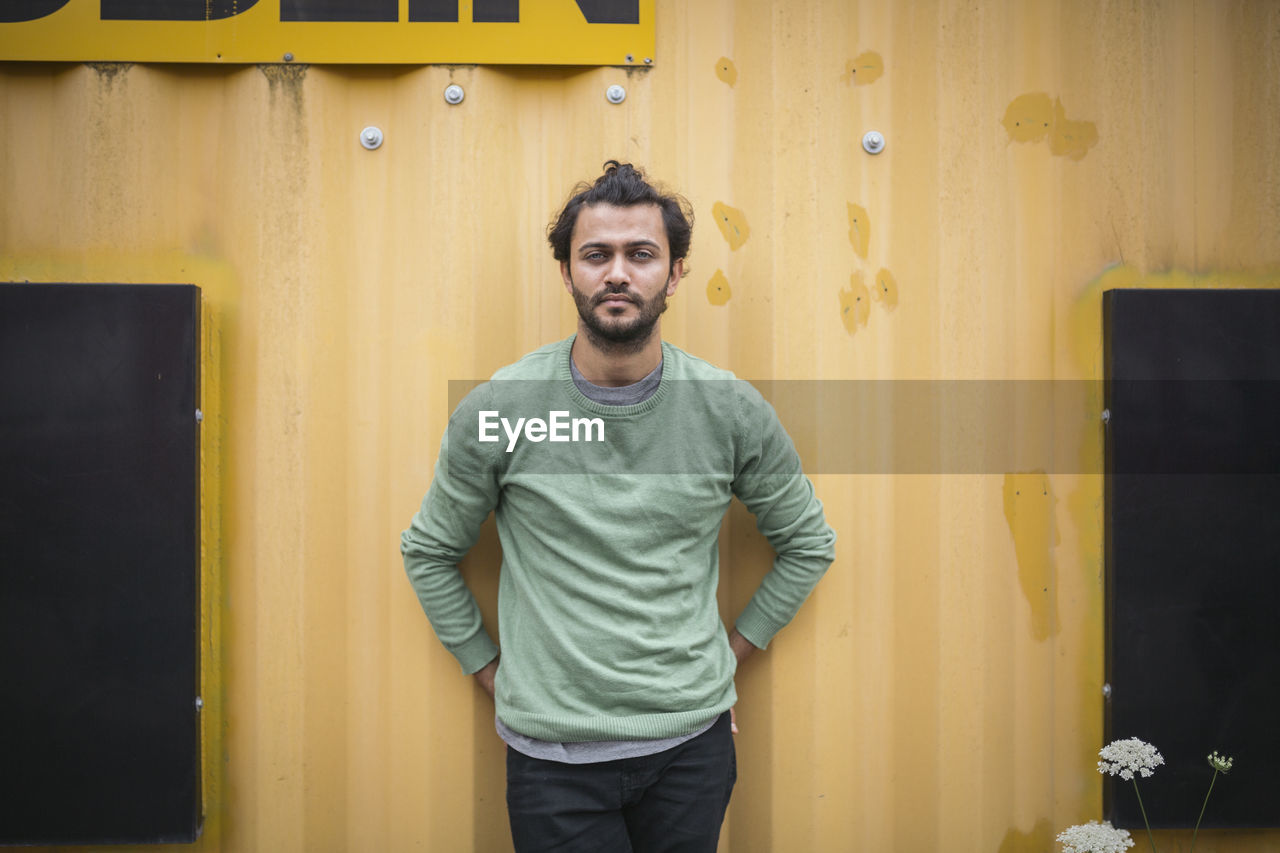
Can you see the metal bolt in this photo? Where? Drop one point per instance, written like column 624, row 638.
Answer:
column 199, row 703
column 453, row 94
column 199, row 416
column 1106, row 416
column 371, row 137
column 288, row 57
column 1106, row 691
column 630, row 58
column 616, row 94
column 648, row 60
column 873, row 142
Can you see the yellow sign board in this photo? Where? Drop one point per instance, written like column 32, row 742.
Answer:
column 482, row 32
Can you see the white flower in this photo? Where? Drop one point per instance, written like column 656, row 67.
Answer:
column 1094, row 837
column 1217, row 762
column 1126, row 757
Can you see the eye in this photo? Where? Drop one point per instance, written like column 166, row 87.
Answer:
column 593, row 256
column 642, row 254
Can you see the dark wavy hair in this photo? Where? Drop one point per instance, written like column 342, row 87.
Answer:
column 623, row 185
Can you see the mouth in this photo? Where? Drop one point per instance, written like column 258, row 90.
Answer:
column 614, row 300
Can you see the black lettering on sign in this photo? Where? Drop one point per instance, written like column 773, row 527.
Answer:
column 433, row 10
column 482, row 11
column 172, row 10
column 508, row 11
column 339, row 10
column 496, row 11
column 28, row 10
column 610, row 11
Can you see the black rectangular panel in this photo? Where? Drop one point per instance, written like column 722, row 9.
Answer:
column 1193, row 549
column 99, row 563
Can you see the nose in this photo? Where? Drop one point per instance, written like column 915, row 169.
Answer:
column 617, row 274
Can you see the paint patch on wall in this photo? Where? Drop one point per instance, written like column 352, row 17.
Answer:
column 855, row 304
column 867, row 67
column 859, row 229
column 1027, row 118
column 1069, row 138
column 726, row 70
column 1039, row 839
column 1034, row 116
column 732, row 224
column 886, row 289
column 1028, row 509
column 718, row 290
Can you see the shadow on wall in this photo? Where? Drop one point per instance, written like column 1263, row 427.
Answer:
column 491, row 831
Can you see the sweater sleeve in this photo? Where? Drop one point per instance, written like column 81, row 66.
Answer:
column 464, row 490
column 770, row 482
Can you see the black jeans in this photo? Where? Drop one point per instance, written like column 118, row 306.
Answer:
column 670, row 801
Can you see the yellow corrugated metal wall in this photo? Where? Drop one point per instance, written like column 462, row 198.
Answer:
column 942, row 690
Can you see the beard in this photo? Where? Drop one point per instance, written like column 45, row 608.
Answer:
column 617, row 334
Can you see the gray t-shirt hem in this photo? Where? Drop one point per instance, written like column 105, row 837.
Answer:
column 593, row 751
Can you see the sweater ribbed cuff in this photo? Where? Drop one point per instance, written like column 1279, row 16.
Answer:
column 755, row 626
column 475, row 652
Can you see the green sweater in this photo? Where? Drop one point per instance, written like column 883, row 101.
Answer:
column 607, row 610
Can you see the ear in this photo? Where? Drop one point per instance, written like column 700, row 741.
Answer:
column 677, row 273
column 564, row 274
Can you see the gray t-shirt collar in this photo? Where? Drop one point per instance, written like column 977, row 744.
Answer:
column 625, row 395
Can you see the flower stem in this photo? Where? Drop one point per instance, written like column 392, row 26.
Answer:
column 1150, row 837
column 1202, row 808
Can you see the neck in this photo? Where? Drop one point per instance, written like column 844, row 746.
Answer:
column 614, row 365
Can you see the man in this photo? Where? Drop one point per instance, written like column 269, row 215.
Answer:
column 614, row 688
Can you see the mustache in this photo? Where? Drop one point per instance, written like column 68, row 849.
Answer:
column 614, row 290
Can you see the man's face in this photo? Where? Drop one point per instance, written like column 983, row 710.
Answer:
column 619, row 271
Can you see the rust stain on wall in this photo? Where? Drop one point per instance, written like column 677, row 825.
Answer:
column 855, row 304
column 1028, row 509
column 109, row 72
column 866, row 67
column 718, row 290
column 726, row 70
column 886, row 290
column 285, row 83
column 1034, row 116
column 859, row 229
column 732, row 224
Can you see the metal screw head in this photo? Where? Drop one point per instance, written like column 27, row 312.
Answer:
column 873, row 142
column 630, row 58
column 1106, row 416
column 371, row 137
column 453, row 94
column 288, row 57
column 616, row 94
column 648, row 60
